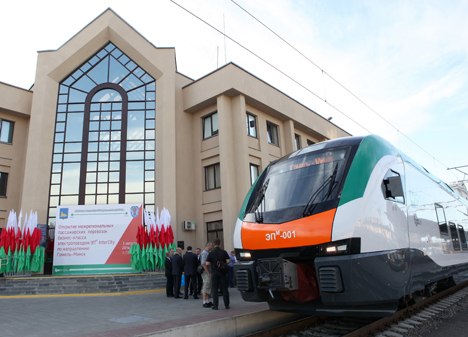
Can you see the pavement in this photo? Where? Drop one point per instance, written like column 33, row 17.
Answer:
column 106, row 316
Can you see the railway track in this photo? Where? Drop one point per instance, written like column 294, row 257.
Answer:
column 399, row 325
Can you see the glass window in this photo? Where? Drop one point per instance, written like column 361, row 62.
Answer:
column 251, row 126
column 272, row 132
column 297, row 140
column 392, row 187
column 454, row 235
column 6, row 131
column 210, row 126
column 3, row 183
column 215, row 231
column 101, row 129
column 253, row 173
column 309, row 142
column 461, row 234
column 212, row 177
column 441, row 219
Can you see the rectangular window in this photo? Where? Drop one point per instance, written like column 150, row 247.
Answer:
column 309, row 142
column 441, row 219
column 215, row 231
column 461, row 233
column 272, row 131
column 251, row 126
column 3, row 183
column 454, row 235
column 297, row 140
column 253, row 173
column 6, row 131
column 210, row 126
column 212, row 177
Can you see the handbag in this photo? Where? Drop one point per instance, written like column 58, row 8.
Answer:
column 200, row 269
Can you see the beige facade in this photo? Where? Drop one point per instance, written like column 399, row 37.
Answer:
column 181, row 152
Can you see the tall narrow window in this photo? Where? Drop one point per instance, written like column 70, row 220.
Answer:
column 297, row 140
column 212, row 177
column 272, row 132
column 251, row 126
column 454, row 235
column 6, row 131
column 104, row 142
column 3, row 183
column 253, row 173
column 214, row 230
column 210, row 125
column 441, row 219
column 461, row 234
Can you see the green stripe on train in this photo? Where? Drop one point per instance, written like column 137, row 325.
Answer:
column 370, row 151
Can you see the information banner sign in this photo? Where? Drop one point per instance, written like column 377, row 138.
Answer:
column 95, row 239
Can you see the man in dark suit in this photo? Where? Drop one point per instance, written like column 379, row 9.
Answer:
column 169, row 277
column 190, row 271
column 199, row 277
column 177, row 269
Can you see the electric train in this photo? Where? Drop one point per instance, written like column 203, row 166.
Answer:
column 349, row 227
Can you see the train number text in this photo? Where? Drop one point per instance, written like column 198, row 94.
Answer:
column 278, row 234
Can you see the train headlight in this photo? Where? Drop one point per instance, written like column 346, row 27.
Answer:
column 342, row 247
column 245, row 255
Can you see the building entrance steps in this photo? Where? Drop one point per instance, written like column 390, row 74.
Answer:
column 152, row 314
column 89, row 284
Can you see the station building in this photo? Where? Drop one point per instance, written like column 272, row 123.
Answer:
column 110, row 120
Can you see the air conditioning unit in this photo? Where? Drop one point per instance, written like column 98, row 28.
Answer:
column 188, row 225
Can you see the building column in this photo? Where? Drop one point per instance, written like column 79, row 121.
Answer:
column 289, row 140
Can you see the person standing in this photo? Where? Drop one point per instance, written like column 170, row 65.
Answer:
column 217, row 258
column 232, row 256
column 199, row 277
column 177, row 269
column 169, row 277
column 190, row 271
column 206, row 276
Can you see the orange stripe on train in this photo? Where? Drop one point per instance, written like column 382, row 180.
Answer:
column 312, row 230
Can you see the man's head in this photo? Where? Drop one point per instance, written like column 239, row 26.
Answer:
column 208, row 246
column 217, row 242
column 189, row 248
column 198, row 251
column 233, row 253
column 179, row 250
column 172, row 251
column 168, row 254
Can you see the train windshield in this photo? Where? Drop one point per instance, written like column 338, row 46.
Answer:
column 296, row 186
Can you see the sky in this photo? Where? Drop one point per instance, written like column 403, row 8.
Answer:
column 398, row 69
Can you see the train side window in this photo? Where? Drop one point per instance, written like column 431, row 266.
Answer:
column 392, row 188
column 441, row 219
column 461, row 233
column 454, row 235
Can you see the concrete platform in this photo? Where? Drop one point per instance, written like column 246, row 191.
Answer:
column 149, row 314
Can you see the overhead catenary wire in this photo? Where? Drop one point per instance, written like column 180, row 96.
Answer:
column 337, row 82
column 303, row 86
column 272, row 66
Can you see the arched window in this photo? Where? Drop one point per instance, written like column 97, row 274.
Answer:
column 104, row 138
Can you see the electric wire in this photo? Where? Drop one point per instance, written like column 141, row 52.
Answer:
column 272, row 66
column 301, row 85
column 337, row 82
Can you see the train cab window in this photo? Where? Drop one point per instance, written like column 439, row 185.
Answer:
column 392, row 188
column 441, row 219
column 461, row 234
column 454, row 235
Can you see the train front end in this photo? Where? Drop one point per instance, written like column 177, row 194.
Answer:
column 284, row 237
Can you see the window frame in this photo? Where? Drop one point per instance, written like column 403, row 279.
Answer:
column 217, row 173
column 214, row 133
column 11, row 130
column 252, row 181
column 248, row 114
column 386, row 181
column 3, row 190
column 454, row 236
column 297, row 141
column 270, row 127
column 441, row 224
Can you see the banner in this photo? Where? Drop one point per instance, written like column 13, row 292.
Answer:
column 95, row 239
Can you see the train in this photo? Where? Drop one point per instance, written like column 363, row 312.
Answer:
column 349, row 227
